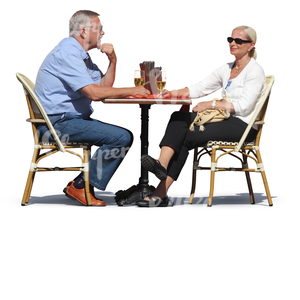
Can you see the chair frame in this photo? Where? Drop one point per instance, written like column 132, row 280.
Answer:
column 241, row 150
column 38, row 115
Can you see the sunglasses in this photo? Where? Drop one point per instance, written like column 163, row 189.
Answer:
column 237, row 41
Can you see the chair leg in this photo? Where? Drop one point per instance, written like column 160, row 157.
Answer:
column 250, row 187
column 30, row 178
column 212, row 177
column 248, row 181
column 193, row 177
column 87, row 190
column 86, row 157
column 264, row 178
column 28, row 188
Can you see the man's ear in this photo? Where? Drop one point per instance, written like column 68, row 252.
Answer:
column 82, row 32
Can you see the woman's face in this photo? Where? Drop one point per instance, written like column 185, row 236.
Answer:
column 240, row 50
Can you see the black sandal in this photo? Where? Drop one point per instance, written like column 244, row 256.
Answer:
column 152, row 165
column 155, row 202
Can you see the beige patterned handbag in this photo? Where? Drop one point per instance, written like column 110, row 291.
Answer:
column 210, row 116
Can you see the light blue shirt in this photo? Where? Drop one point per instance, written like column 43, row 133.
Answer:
column 65, row 70
column 228, row 84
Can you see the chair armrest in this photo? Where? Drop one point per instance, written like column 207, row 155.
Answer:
column 259, row 123
column 36, row 120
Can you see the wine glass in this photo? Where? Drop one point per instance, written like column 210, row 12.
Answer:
column 139, row 77
column 161, row 81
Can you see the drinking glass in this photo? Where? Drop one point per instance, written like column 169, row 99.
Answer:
column 139, row 77
column 161, row 81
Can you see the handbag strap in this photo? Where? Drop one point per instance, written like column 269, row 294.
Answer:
column 204, row 117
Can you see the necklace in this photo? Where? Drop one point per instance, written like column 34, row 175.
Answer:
column 237, row 69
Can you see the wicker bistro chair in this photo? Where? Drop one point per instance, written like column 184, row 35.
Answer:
column 38, row 115
column 240, row 150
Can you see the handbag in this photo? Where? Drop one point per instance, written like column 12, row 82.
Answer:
column 210, row 116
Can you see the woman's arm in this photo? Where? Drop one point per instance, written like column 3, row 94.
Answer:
column 219, row 105
column 182, row 93
column 208, row 85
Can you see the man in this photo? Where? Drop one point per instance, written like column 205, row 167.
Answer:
column 67, row 83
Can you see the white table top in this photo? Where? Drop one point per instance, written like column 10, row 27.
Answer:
column 151, row 100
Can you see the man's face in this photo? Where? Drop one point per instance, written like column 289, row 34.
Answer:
column 95, row 33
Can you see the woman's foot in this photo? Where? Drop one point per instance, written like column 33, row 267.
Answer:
column 154, row 201
column 154, row 166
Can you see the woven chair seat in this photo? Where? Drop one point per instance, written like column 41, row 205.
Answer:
column 224, row 143
column 73, row 144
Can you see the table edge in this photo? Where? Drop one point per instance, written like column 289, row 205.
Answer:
column 148, row 101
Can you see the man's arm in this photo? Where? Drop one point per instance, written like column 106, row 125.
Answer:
column 109, row 77
column 104, row 90
column 98, row 93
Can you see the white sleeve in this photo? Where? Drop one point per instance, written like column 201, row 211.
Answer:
column 210, row 84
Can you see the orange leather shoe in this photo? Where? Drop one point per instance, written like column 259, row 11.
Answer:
column 79, row 195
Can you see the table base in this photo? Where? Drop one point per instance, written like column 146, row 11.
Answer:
column 133, row 194
column 142, row 189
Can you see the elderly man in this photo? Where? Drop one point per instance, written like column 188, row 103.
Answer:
column 67, row 83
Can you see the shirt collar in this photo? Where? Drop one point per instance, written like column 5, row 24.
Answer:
column 74, row 42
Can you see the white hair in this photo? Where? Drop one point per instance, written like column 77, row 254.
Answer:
column 80, row 19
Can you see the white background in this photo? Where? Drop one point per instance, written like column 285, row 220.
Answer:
column 56, row 249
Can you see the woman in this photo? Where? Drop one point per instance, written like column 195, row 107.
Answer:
column 242, row 82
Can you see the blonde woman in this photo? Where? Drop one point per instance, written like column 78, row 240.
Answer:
column 241, row 81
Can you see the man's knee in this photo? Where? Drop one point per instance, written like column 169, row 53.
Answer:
column 125, row 138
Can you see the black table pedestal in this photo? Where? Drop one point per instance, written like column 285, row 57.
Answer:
column 142, row 190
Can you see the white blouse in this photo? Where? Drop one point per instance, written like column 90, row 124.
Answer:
column 244, row 92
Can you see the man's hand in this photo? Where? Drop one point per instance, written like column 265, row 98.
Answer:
column 140, row 91
column 109, row 50
column 109, row 77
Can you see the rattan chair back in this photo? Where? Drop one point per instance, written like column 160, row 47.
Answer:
column 38, row 115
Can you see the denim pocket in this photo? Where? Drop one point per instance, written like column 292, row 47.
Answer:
column 67, row 116
column 56, row 118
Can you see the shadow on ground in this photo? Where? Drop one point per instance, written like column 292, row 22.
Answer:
column 109, row 198
column 236, row 199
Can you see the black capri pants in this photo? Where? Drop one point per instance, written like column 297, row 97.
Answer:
column 181, row 139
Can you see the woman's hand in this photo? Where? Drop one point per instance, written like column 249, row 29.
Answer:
column 170, row 94
column 175, row 94
column 202, row 106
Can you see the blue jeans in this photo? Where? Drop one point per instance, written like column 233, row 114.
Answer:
column 113, row 141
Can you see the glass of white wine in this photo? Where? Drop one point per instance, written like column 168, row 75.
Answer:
column 161, row 81
column 139, row 77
